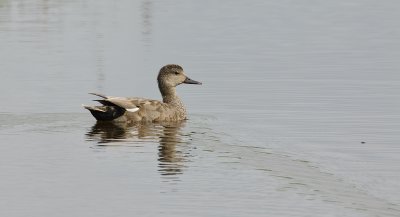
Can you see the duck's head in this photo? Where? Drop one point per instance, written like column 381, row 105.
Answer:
column 172, row 75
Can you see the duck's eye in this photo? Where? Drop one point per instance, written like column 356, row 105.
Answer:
column 176, row 73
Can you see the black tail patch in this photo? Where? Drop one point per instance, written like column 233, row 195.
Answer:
column 110, row 113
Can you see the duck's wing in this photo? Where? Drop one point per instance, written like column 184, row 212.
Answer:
column 130, row 104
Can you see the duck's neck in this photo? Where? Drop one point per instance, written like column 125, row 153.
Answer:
column 171, row 98
column 169, row 95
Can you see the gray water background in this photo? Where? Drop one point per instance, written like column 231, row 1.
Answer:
column 298, row 114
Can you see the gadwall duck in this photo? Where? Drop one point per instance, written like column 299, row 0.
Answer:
column 123, row 109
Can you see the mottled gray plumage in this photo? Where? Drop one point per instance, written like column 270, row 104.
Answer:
column 126, row 109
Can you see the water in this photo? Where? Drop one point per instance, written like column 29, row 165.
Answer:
column 298, row 114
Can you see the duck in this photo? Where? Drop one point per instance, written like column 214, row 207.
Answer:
column 136, row 109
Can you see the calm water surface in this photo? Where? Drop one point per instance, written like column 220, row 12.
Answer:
column 298, row 114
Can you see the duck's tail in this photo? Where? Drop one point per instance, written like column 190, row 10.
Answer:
column 105, row 113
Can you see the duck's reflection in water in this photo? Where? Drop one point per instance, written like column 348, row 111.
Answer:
column 172, row 142
column 171, row 158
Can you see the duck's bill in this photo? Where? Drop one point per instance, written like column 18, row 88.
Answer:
column 190, row 81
